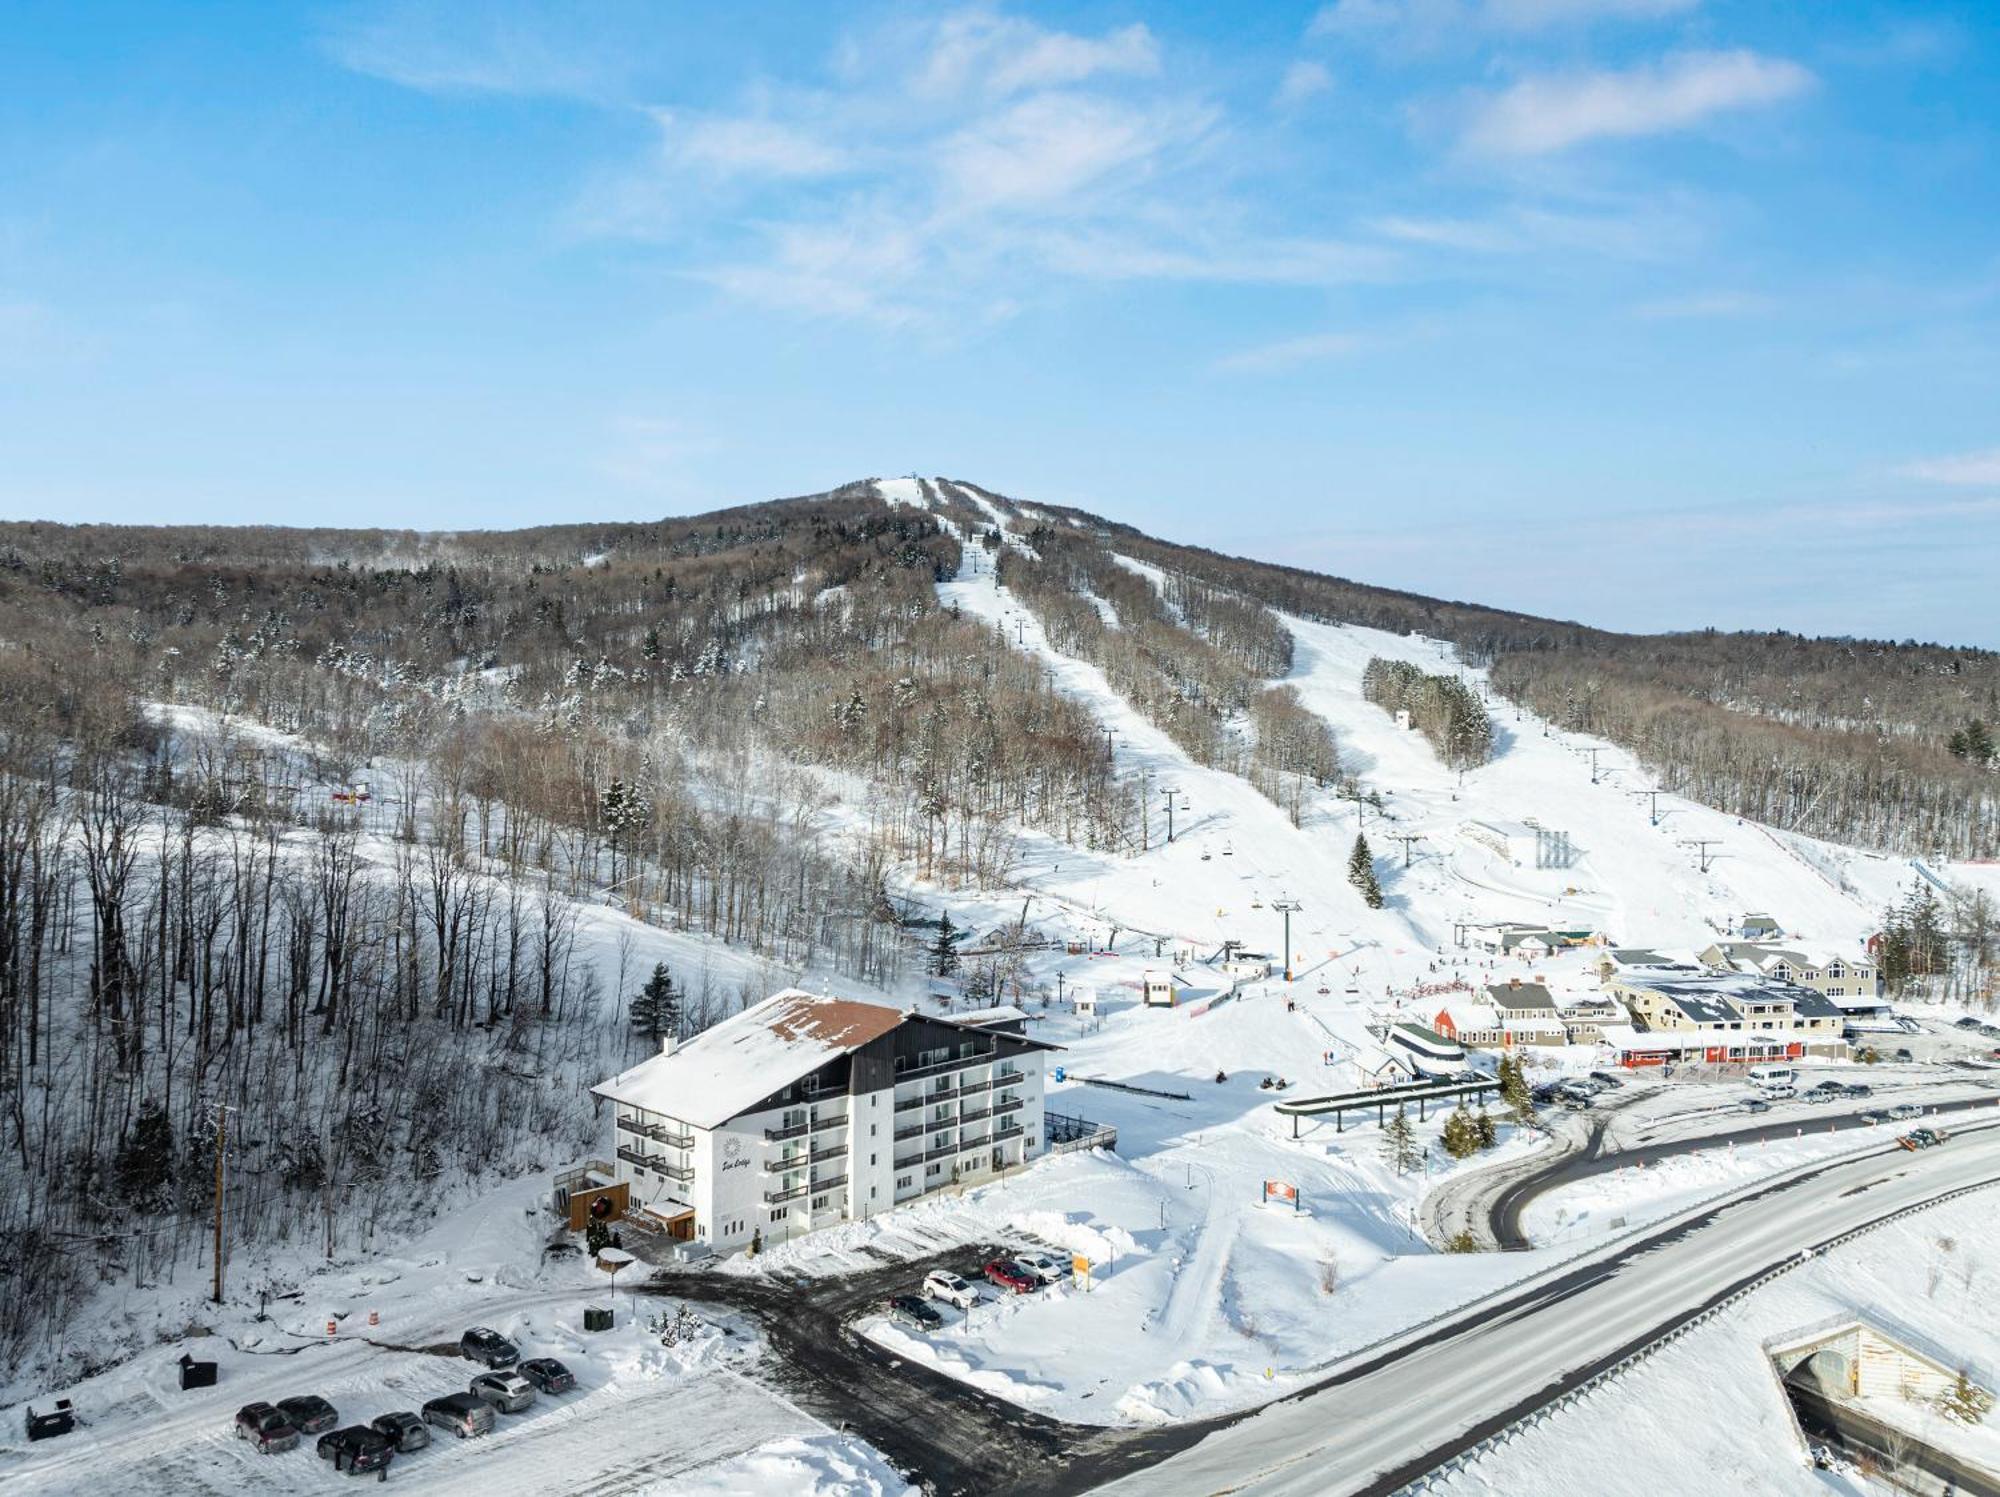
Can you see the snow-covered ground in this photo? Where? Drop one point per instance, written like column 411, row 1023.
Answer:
column 1711, row 1403
column 1201, row 1298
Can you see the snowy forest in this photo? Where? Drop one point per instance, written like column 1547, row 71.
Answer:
column 1887, row 745
column 302, row 832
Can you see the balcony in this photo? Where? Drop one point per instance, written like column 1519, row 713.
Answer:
column 915, row 1130
column 775, row 1135
column 1001, row 1135
column 831, row 1120
column 658, row 1163
column 974, row 1084
column 658, row 1132
column 936, row 1094
column 972, row 1143
column 792, row 1193
column 1012, row 1104
column 938, row 1067
column 832, row 1151
column 788, row 1162
column 829, row 1183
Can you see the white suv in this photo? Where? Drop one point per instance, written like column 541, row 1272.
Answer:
column 950, row 1288
column 1050, row 1268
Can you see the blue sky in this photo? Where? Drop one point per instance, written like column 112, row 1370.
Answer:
column 1657, row 313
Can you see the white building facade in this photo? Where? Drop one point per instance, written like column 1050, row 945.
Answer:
column 803, row 1111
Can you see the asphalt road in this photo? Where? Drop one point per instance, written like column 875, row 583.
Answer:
column 1374, row 1422
column 1510, row 1206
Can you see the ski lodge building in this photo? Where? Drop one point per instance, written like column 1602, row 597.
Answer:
column 1722, row 1018
column 804, row 1110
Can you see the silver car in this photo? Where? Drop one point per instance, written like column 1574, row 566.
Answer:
column 508, row 1392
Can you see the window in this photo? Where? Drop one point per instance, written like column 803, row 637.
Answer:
column 819, row 1202
column 871, row 1161
column 871, row 1127
column 871, row 1192
column 933, row 1169
column 903, row 1181
column 778, row 1213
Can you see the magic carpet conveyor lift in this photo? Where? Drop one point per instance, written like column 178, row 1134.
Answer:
column 1380, row 1100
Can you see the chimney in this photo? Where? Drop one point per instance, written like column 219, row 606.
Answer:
column 669, row 1043
column 1513, row 982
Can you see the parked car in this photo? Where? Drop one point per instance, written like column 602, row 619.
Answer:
column 1576, row 1101
column 1858, row 1090
column 507, row 1391
column 945, row 1285
column 1050, row 1268
column 1605, row 1078
column 1904, row 1111
column 1011, row 1276
column 1756, row 1104
column 1968, row 1022
column 1873, row 1116
column 310, row 1414
column 488, row 1348
column 908, row 1310
column 464, row 1414
column 404, row 1430
column 1904, row 1055
column 265, row 1426
column 1822, row 1093
column 356, row 1449
column 547, row 1374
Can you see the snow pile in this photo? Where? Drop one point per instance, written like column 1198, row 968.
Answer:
column 1191, row 1388
column 811, row 1466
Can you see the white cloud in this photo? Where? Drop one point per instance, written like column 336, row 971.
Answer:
column 1551, row 113
column 554, row 47
column 1290, row 353
column 1962, row 468
column 1426, row 25
column 749, row 146
column 981, row 51
column 1531, row 15
column 1045, row 149
column 1303, row 80
column 1700, row 304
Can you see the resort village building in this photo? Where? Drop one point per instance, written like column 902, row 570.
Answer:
column 805, row 1110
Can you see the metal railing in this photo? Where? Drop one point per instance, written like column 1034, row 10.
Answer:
column 774, row 1135
column 957, row 1062
column 658, row 1132
column 791, row 1193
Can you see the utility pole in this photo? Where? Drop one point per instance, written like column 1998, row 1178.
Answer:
column 1653, row 817
column 1107, row 746
column 1407, row 841
column 1593, row 763
column 1285, row 908
column 1702, row 851
column 1168, row 792
column 221, row 1130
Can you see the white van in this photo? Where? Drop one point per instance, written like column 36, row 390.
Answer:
column 1775, row 1080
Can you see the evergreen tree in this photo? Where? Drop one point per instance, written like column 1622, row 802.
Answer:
column 1965, row 1401
column 1487, row 1130
column 145, row 1166
column 944, row 950
column 1361, row 872
column 656, row 1010
column 1461, row 1135
column 1399, row 1143
column 1514, row 1089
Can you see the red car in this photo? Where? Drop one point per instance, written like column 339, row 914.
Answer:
column 1010, row 1275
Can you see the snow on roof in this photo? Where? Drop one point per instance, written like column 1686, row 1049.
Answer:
column 1474, row 1016
column 725, row 1070
column 1504, row 828
column 1520, row 995
column 1002, row 1014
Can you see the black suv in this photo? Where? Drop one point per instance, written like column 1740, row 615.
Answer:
column 310, row 1414
column 356, row 1449
column 266, row 1427
column 488, row 1348
column 402, row 1429
column 547, row 1374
